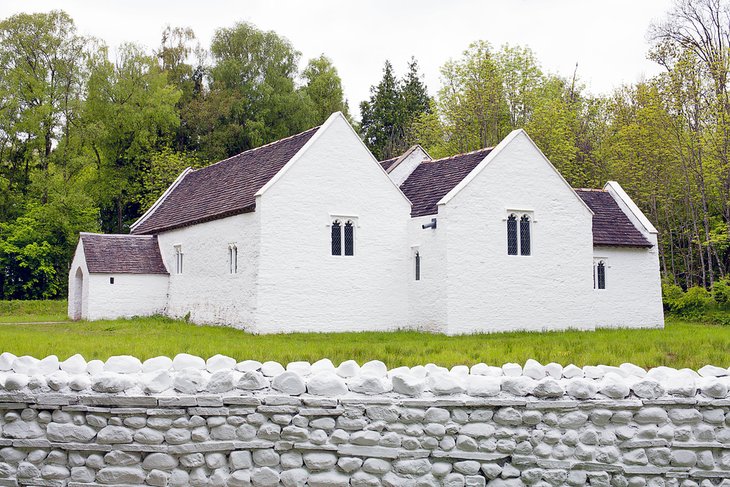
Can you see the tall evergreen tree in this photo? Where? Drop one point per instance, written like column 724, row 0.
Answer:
column 394, row 106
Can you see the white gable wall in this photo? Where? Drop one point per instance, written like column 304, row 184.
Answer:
column 633, row 294
column 488, row 290
column 206, row 289
column 302, row 287
column 78, row 291
column 405, row 167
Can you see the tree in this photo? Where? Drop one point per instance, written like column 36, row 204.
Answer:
column 389, row 116
column 130, row 111
column 471, row 101
column 381, row 123
column 522, row 78
column 323, row 89
column 41, row 61
column 692, row 44
column 253, row 98
column 176, row 47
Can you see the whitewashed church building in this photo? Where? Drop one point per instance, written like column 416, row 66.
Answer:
column 312, row 233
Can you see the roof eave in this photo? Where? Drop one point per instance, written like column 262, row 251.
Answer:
column 623, row 245
column 156, row 230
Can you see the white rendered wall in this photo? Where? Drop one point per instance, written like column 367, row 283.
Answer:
column 490, row 291
column 633, row 294
column 206, row 289
column 404, row 169
column 633, row 297
column 130, row 295
column 302, row 287
column 427, row 296
column 79, row 262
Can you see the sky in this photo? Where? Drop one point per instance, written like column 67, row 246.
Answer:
column 608, row 39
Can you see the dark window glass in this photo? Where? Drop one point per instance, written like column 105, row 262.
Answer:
column 349, row 239
column 512, row 235
column 418, row 266
column 111, row 280
column 336, row 238
column 525, row 235
column 601, row 275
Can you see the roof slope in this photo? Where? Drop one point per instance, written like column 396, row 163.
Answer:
column 222, row 189
column 388, row 162
column 611, row 226
column 122, row 254
column 432, row 180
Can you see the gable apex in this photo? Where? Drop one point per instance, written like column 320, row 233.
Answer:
column 336, row 117
column 495, row 152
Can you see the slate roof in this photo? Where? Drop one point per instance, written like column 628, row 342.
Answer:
column 611, row 226
column 431, row 180
column 388, row 162
column 122, row 254
column 222, row 189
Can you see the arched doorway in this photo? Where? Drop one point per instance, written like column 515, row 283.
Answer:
column 78, row 294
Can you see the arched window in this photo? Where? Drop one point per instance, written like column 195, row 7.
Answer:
column 418, row 266
column 601, row 275
column 336, row 238
column 512, row 235
column 349, row 238
column 525, row 235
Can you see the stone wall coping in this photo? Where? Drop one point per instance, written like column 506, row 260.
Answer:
column 190, row 381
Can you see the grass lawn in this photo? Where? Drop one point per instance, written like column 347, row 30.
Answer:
column 35, row 311
column 681, row 344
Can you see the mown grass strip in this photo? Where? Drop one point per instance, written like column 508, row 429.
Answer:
column 680, row 344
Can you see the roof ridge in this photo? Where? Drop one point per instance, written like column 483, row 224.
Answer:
column 259, row 147
column 116, row 235
column 597, row 190
column 428, row 161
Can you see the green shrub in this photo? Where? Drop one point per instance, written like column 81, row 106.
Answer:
column 671, row 294
column 721, row 292
column 693, row 302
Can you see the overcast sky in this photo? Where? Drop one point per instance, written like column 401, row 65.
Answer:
column 608, row 38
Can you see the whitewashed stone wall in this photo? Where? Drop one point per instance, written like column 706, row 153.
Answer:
column 187, row 421
column 490, row 291
column 334, row 177
column 206, row 289
column 94, row 297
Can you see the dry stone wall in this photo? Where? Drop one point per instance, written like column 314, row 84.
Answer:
column 187, row 421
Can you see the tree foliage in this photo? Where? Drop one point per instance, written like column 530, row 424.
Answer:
column 88, row 141
column 389, row 116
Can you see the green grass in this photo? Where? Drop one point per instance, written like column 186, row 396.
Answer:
column 681, row 344
column 32, row 311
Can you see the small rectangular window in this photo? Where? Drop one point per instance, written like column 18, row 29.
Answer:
column 418, row 266
column 178, row 259
column 233, row 259
column 111, row 280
